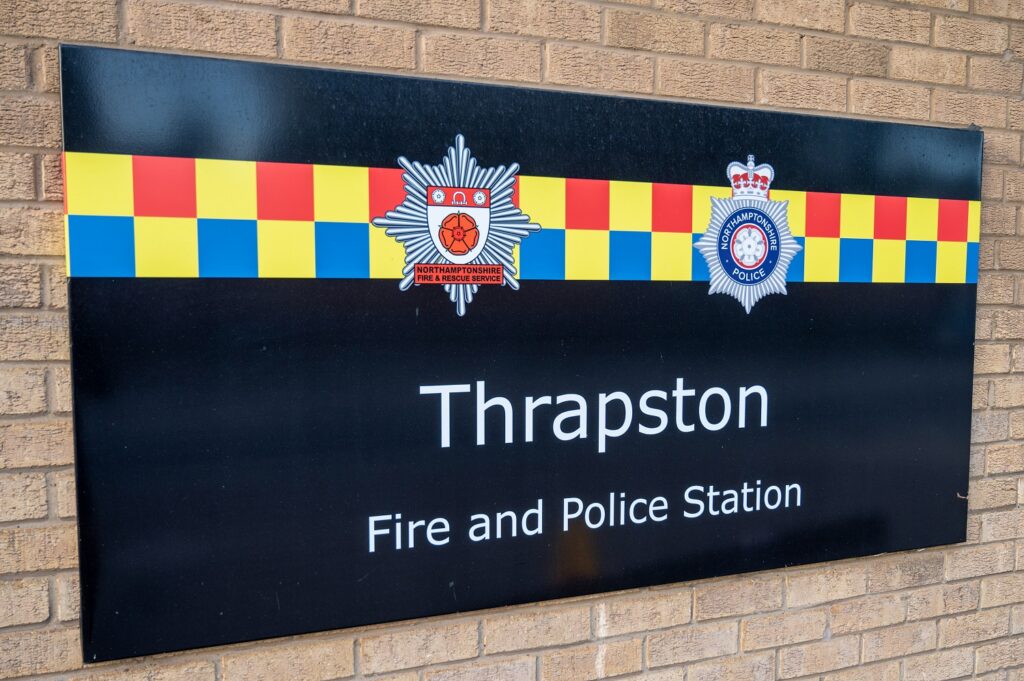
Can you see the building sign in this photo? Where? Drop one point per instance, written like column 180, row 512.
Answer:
column 351, row 348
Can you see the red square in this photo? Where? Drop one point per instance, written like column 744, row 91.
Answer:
column 284, row 191
column 164, row 187
column 671, row 207
column 822, row 214
column 515, row 192
column 386, row 190
column 890, row 217
column 952, row 220
column 586, row 204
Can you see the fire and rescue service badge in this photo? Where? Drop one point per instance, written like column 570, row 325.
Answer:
column 458, row 225
column 748, row 245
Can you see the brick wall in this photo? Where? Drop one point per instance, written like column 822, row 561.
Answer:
column 937, row 614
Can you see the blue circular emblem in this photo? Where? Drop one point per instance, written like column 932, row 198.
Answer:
column 748, row 246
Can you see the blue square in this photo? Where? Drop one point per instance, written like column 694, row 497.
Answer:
column 921, row 262
column 629, row 256
column 542, row 255
column 227, row 248
column 855, row 260
column 796, row 265
column 343, row 250
column 972, row 263
column 101, row 246
column 700, row 271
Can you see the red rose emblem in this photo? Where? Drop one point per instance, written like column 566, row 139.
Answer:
column 459, row 233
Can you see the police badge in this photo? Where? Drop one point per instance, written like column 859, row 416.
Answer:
column 748, row 246
column 458, row 225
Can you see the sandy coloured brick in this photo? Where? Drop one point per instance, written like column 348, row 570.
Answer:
column 749, row 43
column 29, row 120
column 68, row 597
column 422, row 645
column 880, row 671
column 93, row 20
column 22, row 389
column 39, row 652
column 994, row 73
column 843, row 55
column 971, row 35
column 592, row 661
column 873, row 98
column 825, row 584
column 24, row 601
column 702, row 80
column 943, row 664
column 999, row 655
column 693, row 642
column 815, row 658
column 974, row 627
column 206, row 28
column 977, row 561
column 515, row 669
column 161, row 671
column 29, row 549
column 990, row 493
column 456, row 54
column 635, row 29
column 338, row 41
column 738, row 596
column 889, row 23
column 802, row 90
column 784, row 628
column 564, row 19
column 731, row 9
column 969, row 108
column 35, row 443
column 599, row 68
column 454, row 13
column 905, row 639
column 22, row 496
column 869, row 612
column 535, row 629
column 31, row 231
column 310, row 661
column 649, row 611
column 753, row 667
column 989, row 426
column 995, row 289
column 17, row 181
column 823, row 15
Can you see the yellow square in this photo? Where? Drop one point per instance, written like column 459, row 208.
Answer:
column 515, row 260
column 951, row 262
column 99, row 184
column 341, row 194
column 671, row 256
column 226, row 189
column 922, row 219
column 702, row 205
column 629, row 206
column 821, row 259
column 796, row 212
column 974, row 221
column 586, row 254
column 543, row 199
column 166, row 247
column 287, row 248
column 857, row 216
column 889, row 261
column 387, row 256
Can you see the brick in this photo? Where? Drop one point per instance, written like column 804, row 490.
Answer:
column 889, row 23
column 52, row 179
column 29, row 121
column 694, row 642
column 966, row 109
column 68, row 597
column 24, row 601
column 930, row 66
column 1017, row 425
column 564, row 19
column 333, row 41
column 515, row 669
column 991, row 188
column 92, row 20
column 1008, row 392
column 842, row 55
column 824, row 15
column 1016, row 114
column 977, row 464
column 20, row 285
column 974, row 627
column 13, row 70
column 989, row 73
column 756, row 667
column 975, row 561
column 207, row 28
column 593, row 661
column 815, row 658
column 874, row 98
column 989, row 426
column 738, row 596
column 943, row 599
column 759, row 45
column 39, row 652
column 422, row 645
column 993, row 359
column 999, row 655
column 883, row 671
column 1008, row 458
column 28, row 549
column 731, row 9
column 654, row 610
column 1017, row 41
column 482, row 57
column 708, row 81
column 944, row 664
column 1014, row 184
column 33, row 337
column 31, row 231
column 970, row 35
column 64, row 489
column 823, row 585
column 1002, row 590
column 778, row 629
column 998, row 218
column 62, row 389
column 16, row 175
column 454, row 13
column 313, row 661
column 596, row 68
column 995, row 289
column 999, row 525
column 1008, row 324
column 1017, row 623
column 896, row 641
column 641, row 30
column 536, row 629
column 189, row 671
column 1011, row 251
column 1010, row 9
column 903, row 571
column 22, row 389
column 1001, row 147
column 979, row 398
column 22, row 496
column 48, row 80
column 866, row 613
column 330, row 6
column 803, row 90
column 35, row 443
column 57, row 286
column 992, row 493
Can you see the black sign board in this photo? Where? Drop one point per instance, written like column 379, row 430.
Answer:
column 337, row 360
